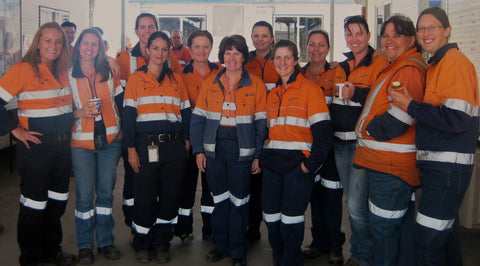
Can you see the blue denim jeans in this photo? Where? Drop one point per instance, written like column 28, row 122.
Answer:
column 355, row 186
column 95, row 173
column 389, row 202
column 437, row 237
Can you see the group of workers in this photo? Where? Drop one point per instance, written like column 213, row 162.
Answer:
column 267, row 137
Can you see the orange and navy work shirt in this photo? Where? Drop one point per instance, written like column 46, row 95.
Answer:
column 83, row 128
column 153, row 107
column 182, row 54
column 345, row 112
column 193, row 81
column 386, row 133
column 44, row 103
column 326, row 80
column 263, row 68
column 299, row 126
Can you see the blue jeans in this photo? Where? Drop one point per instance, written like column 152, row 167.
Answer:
column 355, row 186
column 437, row 237
column 95, row 173
column 389, row 202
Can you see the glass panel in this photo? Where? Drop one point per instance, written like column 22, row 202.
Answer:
column 169, row 23
column 286, row 28
column 307, row 24
column 192, row 23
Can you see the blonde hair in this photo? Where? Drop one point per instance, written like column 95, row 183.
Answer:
column 32, row 56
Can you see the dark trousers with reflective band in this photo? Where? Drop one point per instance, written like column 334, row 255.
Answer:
column 128, row 199
column 437, row 237
column 157, row 190
column 206, row 206
column 389, row 203
column 285, row 198
column 189, row 187
column 45, row 174
column 229, row 182
column 326, row 207
column 255, row 212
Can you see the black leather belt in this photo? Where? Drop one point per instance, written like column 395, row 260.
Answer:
column 162, row 137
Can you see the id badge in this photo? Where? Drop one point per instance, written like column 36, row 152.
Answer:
column 152, row 153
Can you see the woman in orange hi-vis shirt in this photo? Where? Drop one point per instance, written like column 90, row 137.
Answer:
column 96, row 146
column 43, row 151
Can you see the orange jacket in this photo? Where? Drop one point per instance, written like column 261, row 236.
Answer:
column 326, row 80
column 130, row 60
column 182, row 54
column 263, row 68
column 193, row 81
column 386, row 133
column 44, row 103
column 82, row 131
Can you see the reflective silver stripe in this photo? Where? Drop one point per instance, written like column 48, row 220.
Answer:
column 199, row 111
column 387, row 214
column 347, row 135
column 331, row 184
column 446, row 157
column 239, row 202
column 319, row 118
column 89, row 136
column 401, row 115
column 184, row 105
column 328, row 99
column 103, row 210
column 206, row 209
column 462, row 106
column 140, row 229
column 436, row 224
column 317, row 178
column 85, row 215
column 412, row 198
column 230, row 106
column 45, row 94
column 271, row 218
column 181, row 62
column 209, row 147
column 128, row 202
column 247, row 152
column 129, row 102
column 270, row 86
column 161, row 221
column 213, row 115
column 287, row 145
column 292, row 219
column 230, row 121
column 184, row 212
column 244, row 119
column 158, row 99
column 386, row 146
column 289, row 120
column 123, row 83
column 159, row 116
column 48, row 112
column 260, row 115
column 133, row 61
column 57, row 195
column 5, row 95
column 336, row 100
column 33, row 204
column 221, row 197
column 118, row 90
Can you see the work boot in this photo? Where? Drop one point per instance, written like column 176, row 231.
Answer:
column 85, row 256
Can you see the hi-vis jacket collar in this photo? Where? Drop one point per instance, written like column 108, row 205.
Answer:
column 245, row 80
column 291, row 79
column 136, row 50
column 441, row 53
column 253, row 54
column 189, row 68
column 366, row 61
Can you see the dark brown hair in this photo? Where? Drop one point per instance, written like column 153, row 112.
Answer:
column 290, row 46
column 101, row 65
column 237, row 41
column 197, row 33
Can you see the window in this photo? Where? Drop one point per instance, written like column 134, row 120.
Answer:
column 186, row 24
column 48, row 14
column 383, row 12
column 296, row 29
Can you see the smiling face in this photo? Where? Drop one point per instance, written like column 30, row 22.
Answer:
column 233, row 60
column 146, row 27
column 89, row 46
column 284, row 62
column 317, row 47
column 431, row 34
column 394, row 44
column 158, row 52
column 177, row 39
column 200, row 49
column 261, row 38
column 357, row 38
column 50, row 45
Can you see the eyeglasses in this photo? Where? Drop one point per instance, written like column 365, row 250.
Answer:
column 429, row 28
column 176, row 37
